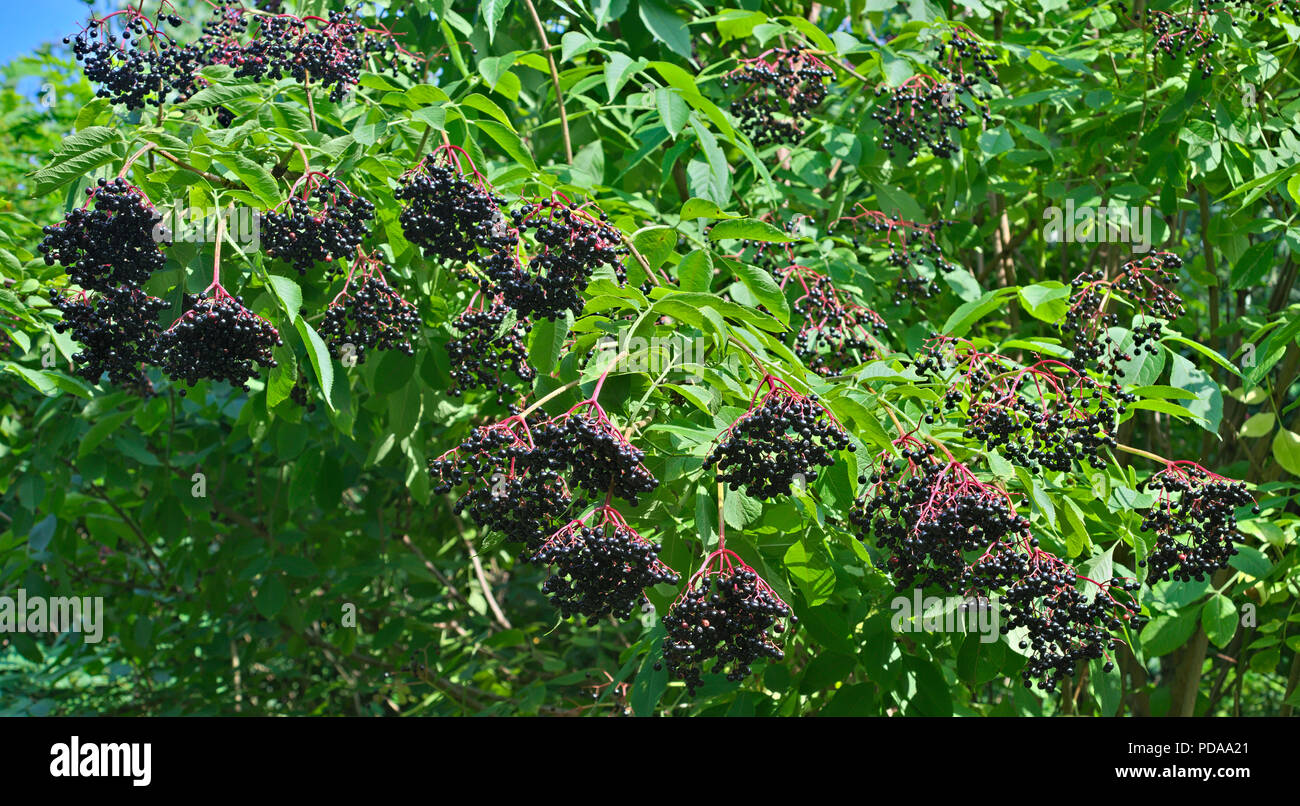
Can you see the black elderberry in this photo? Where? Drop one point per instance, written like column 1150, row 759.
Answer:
column 783, row 87
column 508, row 491
column 371, row 316
column 723, row 616
column 602, row 569
column 565, row 246
column 217, row 339
column 449, row 214
column 784, row 441
column 1194, row 521
column 117, row 329
column 110, row 245
column 594, row 454
column 308, row 233
column 490, row 345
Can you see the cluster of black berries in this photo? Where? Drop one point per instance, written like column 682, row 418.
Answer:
column 299, row 394
column 918, row 115
column 116, row 330
column 836, row 344
column 967, row 64
column 1253, row 9
column 372, row 317
column 724, row 615
column 303, row 236
column 601, row 570
column 836, row 333
column 138, row 67
column 1032, row 415
column 110, row 251
column 1035, row 435
column 1197, row 507
column 490, row 344
column 913, row 249
column 1147, row 285
column 569, row 246
column 331, row 56
column 217, row 339
column 508, row 492
column 786, row 439
column 598, row 458
column 450, row 216
column 784, row 87
column 111, row 245
column 1064, row 627
column 1184, row 35
column 930, row 519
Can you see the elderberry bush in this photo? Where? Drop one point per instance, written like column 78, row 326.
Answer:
column 449, row 216
column 569, row 246
column 1195, row 522
column 116, row 329
column 217, row 339
column 786, row 438
column 723, row 617
column 596, row 455
column 110, row 245
column 304, row 237
column 372, row 317
column 600, row 570
column 488, row 348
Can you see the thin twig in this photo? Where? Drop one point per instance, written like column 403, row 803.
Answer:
column 555, row 79
column 483, row 583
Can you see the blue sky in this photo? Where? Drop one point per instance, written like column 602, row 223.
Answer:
column 28, row 23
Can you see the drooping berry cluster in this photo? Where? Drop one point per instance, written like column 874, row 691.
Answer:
column 723, row 616
column 928, row 514
column 116, row 329
column 113, row 244
column 450, row 214
column 329, row 52
column 910, row 247
column 784, row 86
column 601, row 569
column 1064, row 627
column 1045, row 415
column 140, row 65
column 508, row 491
column 1188, row 34
column 566, row 245
column 597, row 456
column 967, row 64
column 217, row 339
column 1194, row 520
column 783, row 441
column 109, row 252
column 1146, row 285
column 372, row 316
column 835, row 333
column 917, row 115
column 490, row 344
column 331, row 228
